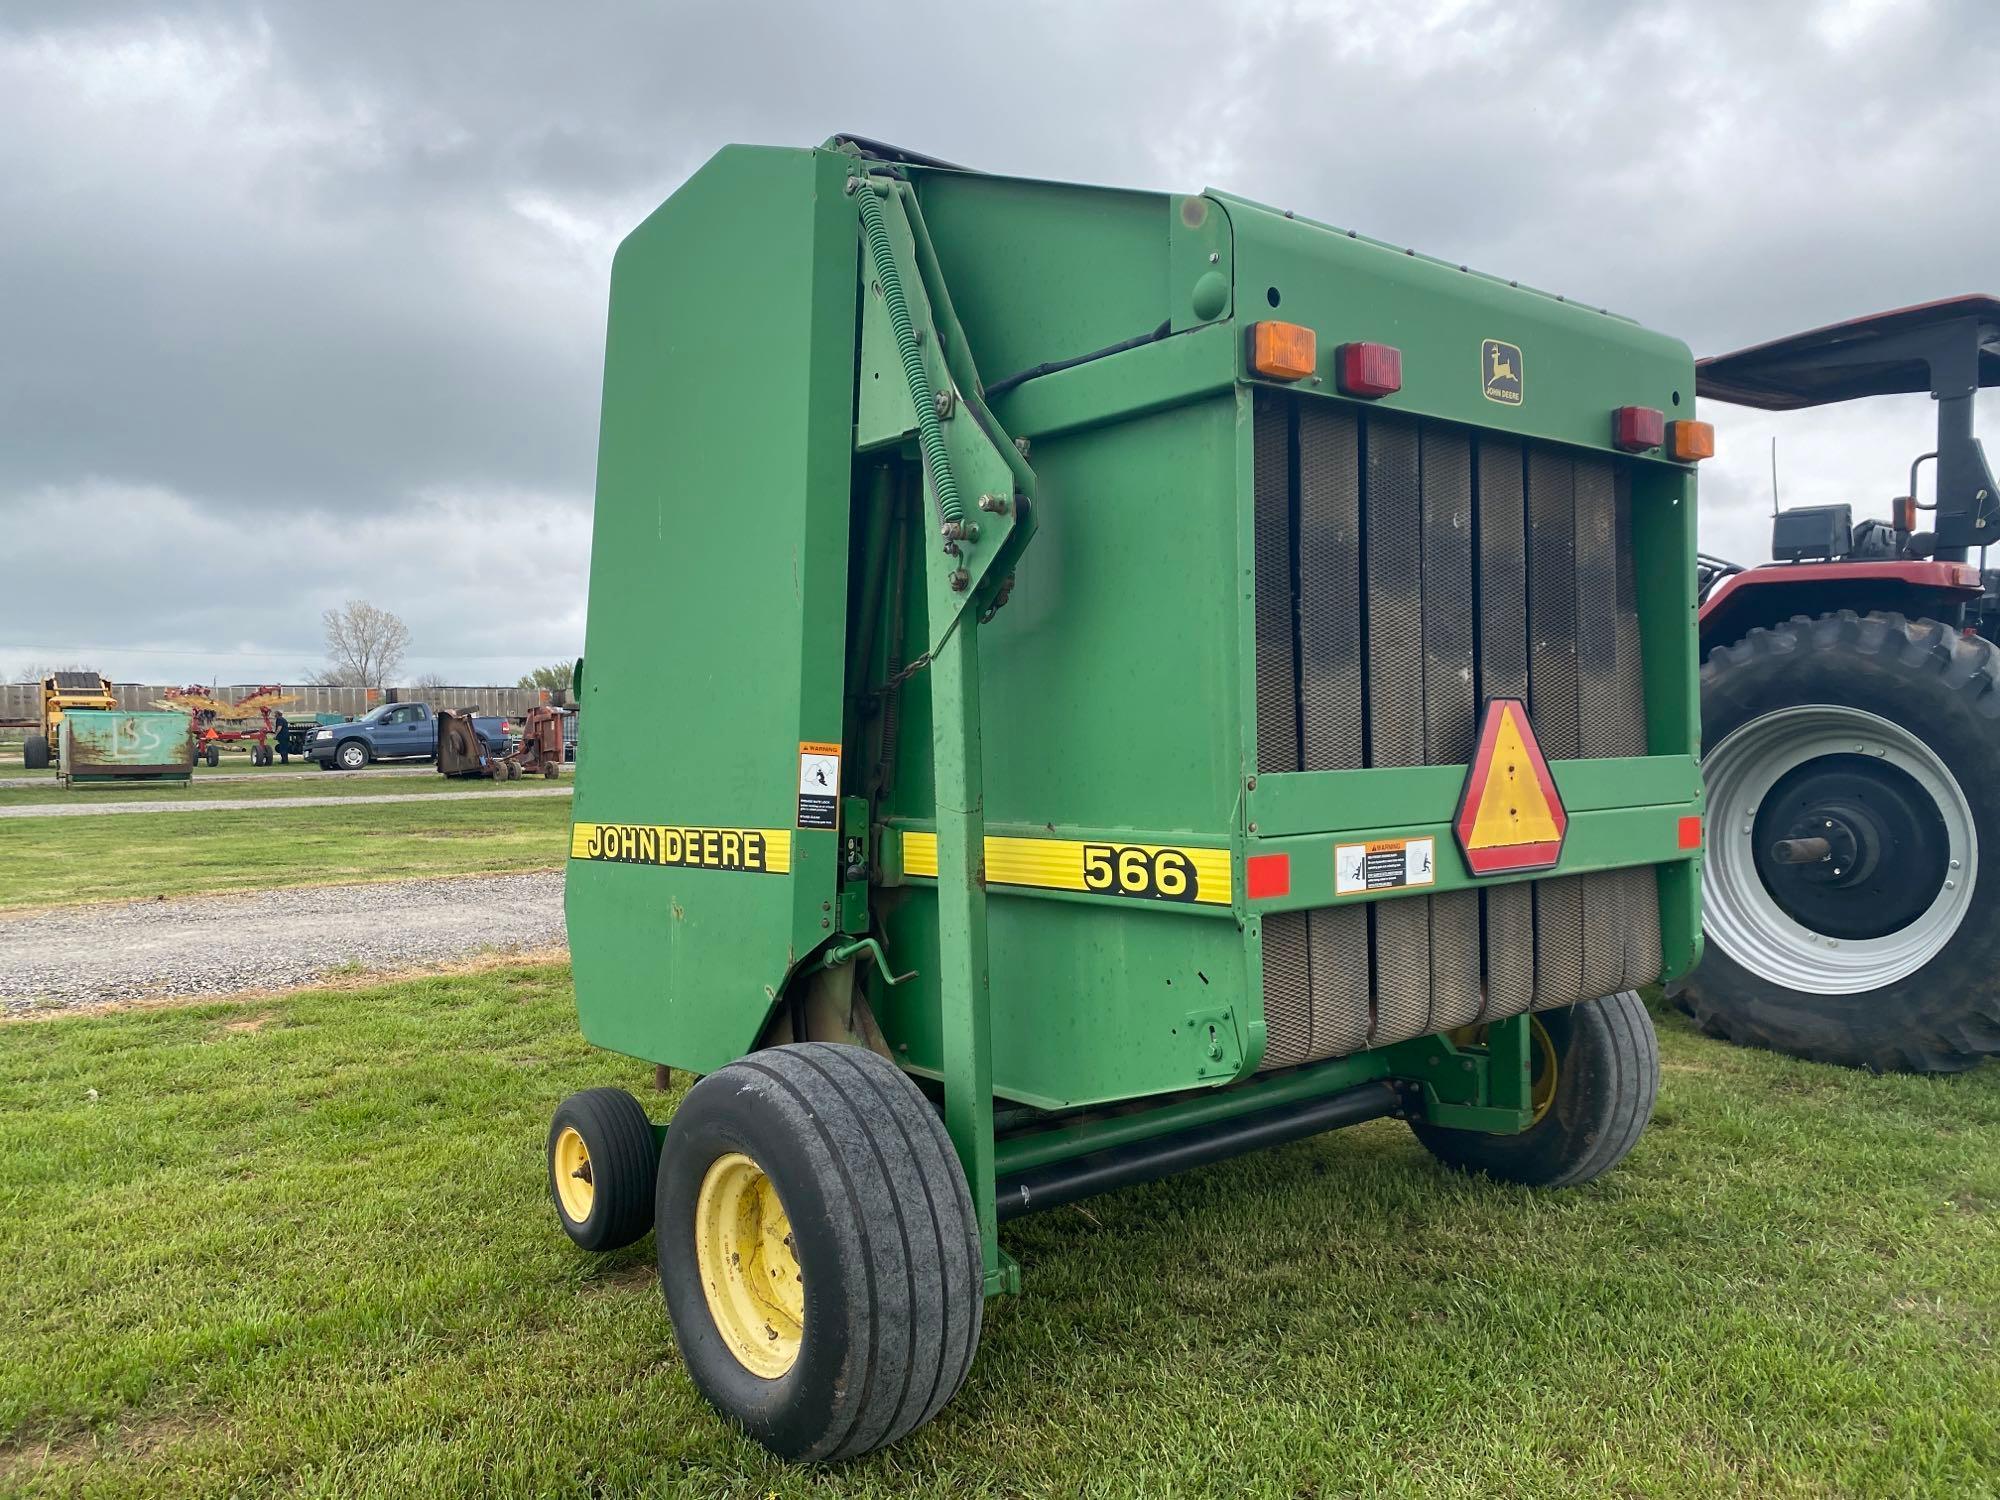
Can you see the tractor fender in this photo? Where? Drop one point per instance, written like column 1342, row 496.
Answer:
column 1767, row 595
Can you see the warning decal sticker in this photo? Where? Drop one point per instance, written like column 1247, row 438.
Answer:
column 819, row 785
column 1143, row 872
column 1383, row 865
column 760, row 851
column 1510, row 816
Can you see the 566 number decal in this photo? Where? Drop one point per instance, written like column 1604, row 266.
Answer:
column 1150, row 874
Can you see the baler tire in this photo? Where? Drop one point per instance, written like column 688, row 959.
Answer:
column 212, row 756
column 1607, row 1078
column 624, row 1160
column 882, row 1227
column 35, row 752
column 1942, row 688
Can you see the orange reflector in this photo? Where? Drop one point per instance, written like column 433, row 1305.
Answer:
column 1903, row 512
column 1268, row 875
column 1689, row 441
column 1283, row 351
column 1690, row 833
column 1510, row 816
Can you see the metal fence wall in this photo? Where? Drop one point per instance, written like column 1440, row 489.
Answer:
column 21, row 702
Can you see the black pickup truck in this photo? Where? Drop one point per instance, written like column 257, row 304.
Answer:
column 394, row 731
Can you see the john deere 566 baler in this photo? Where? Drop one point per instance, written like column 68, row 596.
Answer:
column 1085, row 683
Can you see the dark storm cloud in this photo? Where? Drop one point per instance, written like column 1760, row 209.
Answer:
column 276, row 273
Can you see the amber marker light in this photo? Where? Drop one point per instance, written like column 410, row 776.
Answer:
column 1690, row 441
column 1283, row 351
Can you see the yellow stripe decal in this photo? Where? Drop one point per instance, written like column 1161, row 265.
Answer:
column 1144, row 872
column 762, row 851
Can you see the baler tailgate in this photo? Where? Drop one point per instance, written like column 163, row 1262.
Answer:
column 1406, row 573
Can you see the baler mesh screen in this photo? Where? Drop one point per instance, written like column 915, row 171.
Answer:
column 1405, row 570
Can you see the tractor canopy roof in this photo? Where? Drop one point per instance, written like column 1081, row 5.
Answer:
column 1882, row 354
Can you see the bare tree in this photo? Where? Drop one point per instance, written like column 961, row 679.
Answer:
column 35, row 672
column 364, row 645
column 429, row 683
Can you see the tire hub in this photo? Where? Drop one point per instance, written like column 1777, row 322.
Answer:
column 1844, row 852
column 1851, row 846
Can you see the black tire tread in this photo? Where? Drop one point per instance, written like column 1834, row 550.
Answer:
column 827, row 1079
column 1547, row 1155
column 624, row 1164
column 1931, row 1039
column 893, row 1178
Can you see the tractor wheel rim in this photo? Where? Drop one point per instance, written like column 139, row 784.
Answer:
column 749, row 1267
column 575, row 1187
column 1740, row 914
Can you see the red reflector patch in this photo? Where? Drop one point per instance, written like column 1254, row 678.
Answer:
column 1510, row 816
column 1690, row 833
column 1268, row 875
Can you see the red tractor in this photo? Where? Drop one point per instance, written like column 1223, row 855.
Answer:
column 1850, row 709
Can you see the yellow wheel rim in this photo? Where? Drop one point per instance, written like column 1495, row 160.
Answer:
column 574, row 1188
column 749, row 1269
column 1542, row 1080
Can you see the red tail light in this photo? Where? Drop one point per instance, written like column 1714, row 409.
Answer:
column 1637, row 428
column 1368, row 369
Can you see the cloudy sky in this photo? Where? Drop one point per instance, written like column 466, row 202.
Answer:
column 302, row 303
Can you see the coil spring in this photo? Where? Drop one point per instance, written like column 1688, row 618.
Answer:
column 930, row 432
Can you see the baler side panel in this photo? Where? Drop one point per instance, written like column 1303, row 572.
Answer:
column 1132, row 565
column 718, row 587
column 1043, row 271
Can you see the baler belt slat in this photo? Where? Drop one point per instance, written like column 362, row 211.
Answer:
column 1509, row 915
column 1642, row 887
column 1330, row 634
column 1450, row 709
column 1337, row 939
column 1552, row 703
column 1598, row 729
column 1329, row 580
column 1287, row 990
column 1393, row 528
column 1277, row 683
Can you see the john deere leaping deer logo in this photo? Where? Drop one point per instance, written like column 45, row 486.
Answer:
column 1500, row 372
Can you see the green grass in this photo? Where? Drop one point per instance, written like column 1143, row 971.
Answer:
column 338, row 784
column 49, row 861
column 302, row 1247
column 234, row 762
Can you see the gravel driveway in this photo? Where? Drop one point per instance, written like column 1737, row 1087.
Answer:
column 215, row 945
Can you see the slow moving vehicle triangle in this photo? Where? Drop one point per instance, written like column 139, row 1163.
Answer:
column 1510, row 816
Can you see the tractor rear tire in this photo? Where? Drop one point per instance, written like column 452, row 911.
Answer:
column 35, row 752
column 1607, row 1063
column 818, row 1250
column 1890, row 727
column 604, row 1161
